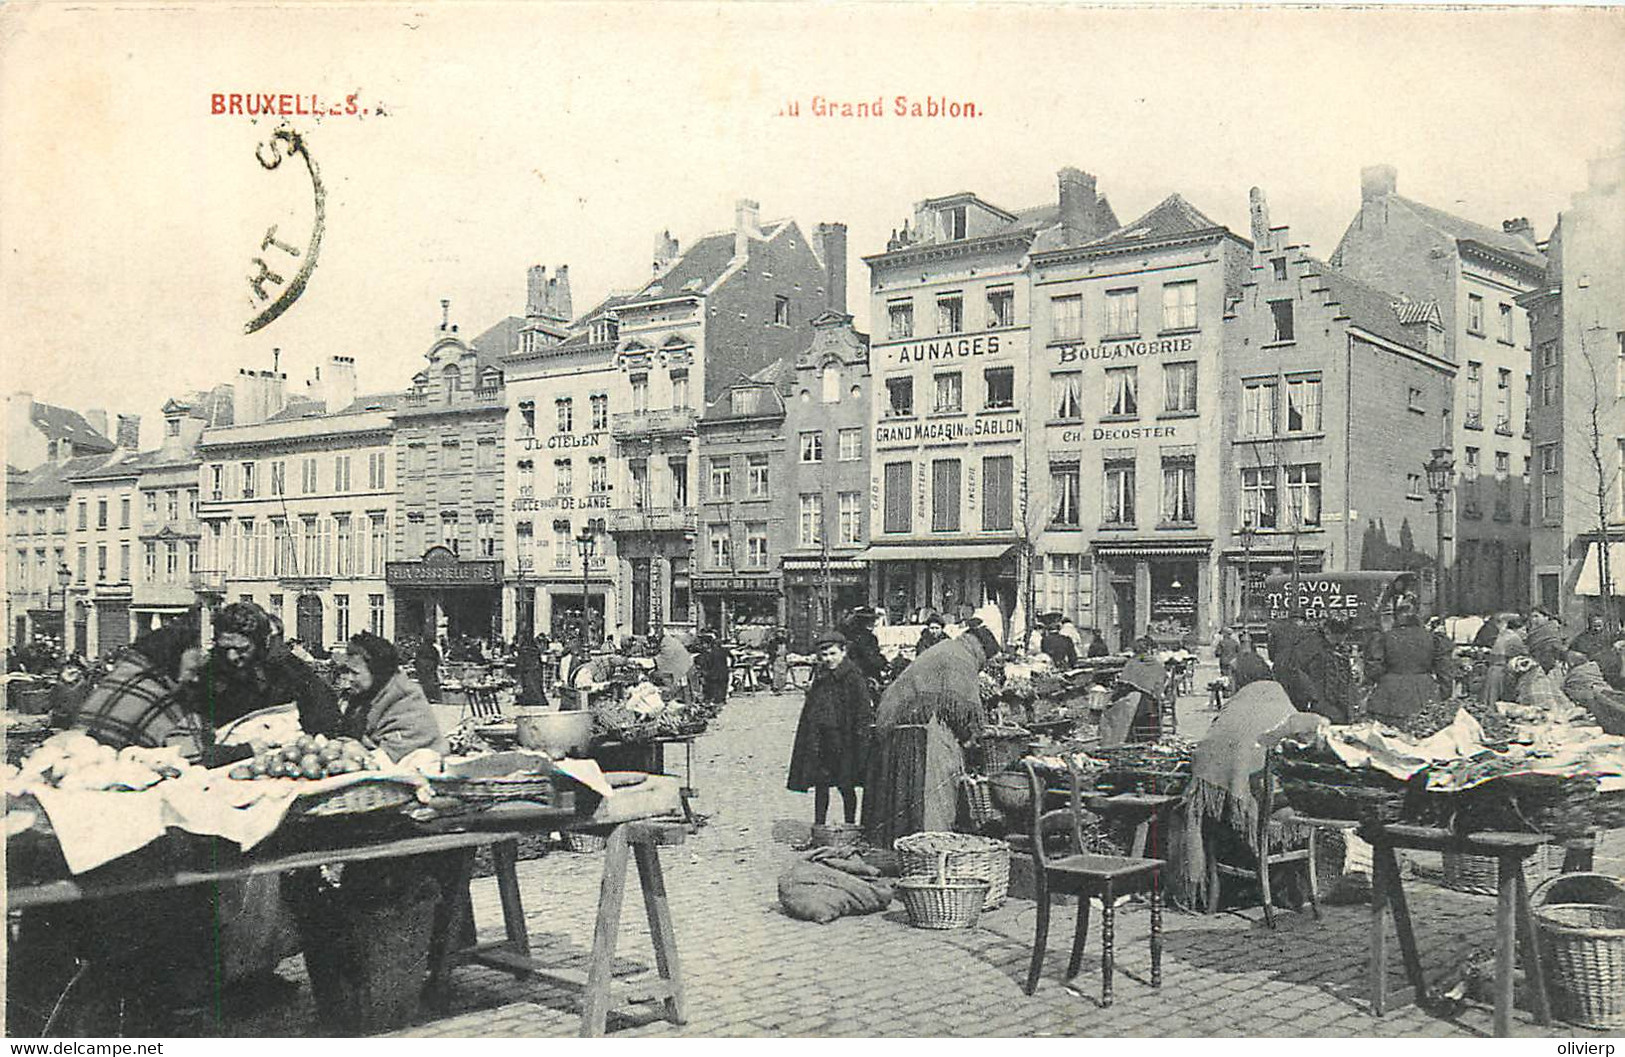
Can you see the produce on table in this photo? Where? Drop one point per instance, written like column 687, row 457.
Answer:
column 1437, row 715
column 310, row 757
column 76, row 761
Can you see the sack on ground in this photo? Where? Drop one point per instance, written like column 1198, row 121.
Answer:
column 812, row 891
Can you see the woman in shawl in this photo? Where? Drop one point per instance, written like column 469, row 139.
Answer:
column 829, row 745
column 1409, row 664
column 674, row 664
column 383, row 708
column 926, row 717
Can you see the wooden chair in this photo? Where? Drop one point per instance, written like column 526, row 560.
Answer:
column 482, row 705
column 1267, row 861
column 1087, row 876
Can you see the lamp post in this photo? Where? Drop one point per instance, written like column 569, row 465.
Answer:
column 1247, row 533
column 585, row 543
column 64, row 576
column 1441, row 471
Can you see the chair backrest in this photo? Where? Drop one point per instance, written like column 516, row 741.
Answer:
column 1068, row 819
column 483, row 704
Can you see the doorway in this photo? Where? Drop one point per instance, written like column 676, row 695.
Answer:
column 1124, row 609
column 308, row 621
column 640, row 596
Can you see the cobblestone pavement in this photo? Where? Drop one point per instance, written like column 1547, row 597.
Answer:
column 752, row 971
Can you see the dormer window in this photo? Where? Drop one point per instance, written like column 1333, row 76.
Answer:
column 953, row 223
column 450, row 379
column 173, row 426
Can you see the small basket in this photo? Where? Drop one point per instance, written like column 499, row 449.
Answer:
column 1001, row 750
column 941, row 901
column 1583, row 944
column 585, row 843
column 536, row 789
column 361, row 799
column 978, row 794
column 967, row 857
column 1478, row 874
column 836, row 835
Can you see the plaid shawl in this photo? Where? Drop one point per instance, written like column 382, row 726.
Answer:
column 135, row 704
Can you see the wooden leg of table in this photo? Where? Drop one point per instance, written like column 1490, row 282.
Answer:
column 1402, row 926
column 1529, row 953
column 1311, row 875
column 1377, row 966
column 1108, row 930
column 1142, row 833
column 505, row 854
column 606, row 930
column 451, row 918
column 1209, row 849
column 660, row 927
column 1505, row 912
column 1264, row 883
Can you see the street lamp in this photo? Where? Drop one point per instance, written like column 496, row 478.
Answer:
column 586, row 543
column 1441, row 471
column 1247, row 534
column 64, row 576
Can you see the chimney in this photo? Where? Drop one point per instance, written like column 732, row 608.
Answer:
column 97, row 419
column 1259, row 208
column 1077, row 201
column 129, row 433
column 260, row 394
column 535, row 293
column 445, row 314
column 747, row 225
column 831, row 239
column 338, row 389
column 1520, row 227
column 558, row 295
column 1378, row 181
column 665, row 253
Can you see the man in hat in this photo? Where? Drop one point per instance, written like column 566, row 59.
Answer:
column 1062, row 654
column 833, row 732
column 862, row 646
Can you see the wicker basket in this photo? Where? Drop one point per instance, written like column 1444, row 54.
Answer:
column 1583, row 944
column 940, row 901
column 1001, row 750
column 978, row 796
column 965, row 857
column 836, row 835
column 360, row 799
column 1477, row 874
column 1012, row 793
column 585, row 843
column 534, row 788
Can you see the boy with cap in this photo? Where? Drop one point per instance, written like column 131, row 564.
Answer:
column 833, row 731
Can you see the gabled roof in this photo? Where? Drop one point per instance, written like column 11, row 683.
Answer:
column 1173, row 217
column 50, row 480
column 498, row 340
column 1463, row 230
column 298, row 407
column 695, row 271
column 1371, row 309
column 766, row 381
column 61, row 423
column 1410, row 311
column 372, row 402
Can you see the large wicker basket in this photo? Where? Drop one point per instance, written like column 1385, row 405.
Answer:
column 1581, row 921
column 978, row 796
column 360, row 799
column 1478, row 874
column 963, row 856
column 940, row 901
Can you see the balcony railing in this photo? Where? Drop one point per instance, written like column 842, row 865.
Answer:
column 667, row 422
column 481, row 396
column 667, row 519
column 211, row 580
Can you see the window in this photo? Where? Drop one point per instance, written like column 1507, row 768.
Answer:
column 250, row 480
column 901, row 317
column 812, row 446
column 1475, row 396
column 101, row 563
column 563, row 545
column 1619, row 366
column 945, row 495
column 217, row 486
column 312, row 557
column 308, row 476
column 598, row 474
column 756, row 471
column 998, row 493
column 1413, row 399
column 1413, row 486
column 485, row 453
column 376, row 464
column 811, row 525
column 1506, row 323
column 378, row 529
column 1548, row 373
column 375, row 614
column 1001, row 387
column 1278, row 268
column 1258, row 398
column 953, row 222
column 1001, row 307
column 640, row 393
column 1551, row 490
column 1179, row 306
column 101, row 513
column 755, row 544
column 1303, row 405
column 1303, row 495
column 1118, row 500
column 527, row 418
column 1469, row 483
column 1258, row 499
column 191, row 503
column 679, row 481
column 1178, row 490
column 1526, row 489
column 899, row 397
column 124, row 512
column 850, row 444
column 899, row 510
column 1068, row 389
column 1064, row 495
column 341, row 617
column 1122, row 392
column 722, row 477
column 451, row 456
column 172, row 505
column 679, row 388
column 1475, row 314
column 279, row 477
column 526, row 471
column 565, row 410
column 850, row 506
column 341, row 473
column 448, row 531
column 1281, row 313
column 1503, row 401
column 1122, row 313
column 1179, row 388
column 344, row 548
column 1503, row 486
column 83, row 511
column 416, row 458
column 485, row 535
column 281, row 554
column 600, row 410
column 79, row 574
column 830, row 384
column 1066, row 312
column 149, row 561
column 950, row 314
column 950, row 392
column 637, row 472
column 781, row 311
column 564, row 482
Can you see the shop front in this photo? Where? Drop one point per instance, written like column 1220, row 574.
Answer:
column 817, row 593
column 1247, row 568
column 951, row 579
column 727, row 602
column 445, row 596
column 1155, row 588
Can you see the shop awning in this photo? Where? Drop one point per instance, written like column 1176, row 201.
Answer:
column 1590, row 582
column 936, row 552
column 838, row 564
column 1152, row 549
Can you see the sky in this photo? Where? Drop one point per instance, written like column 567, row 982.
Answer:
column 512, row 135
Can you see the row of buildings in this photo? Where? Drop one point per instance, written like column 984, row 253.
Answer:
column 1130, row 423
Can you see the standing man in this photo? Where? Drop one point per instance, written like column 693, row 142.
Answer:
column 1225, row 650
column 1062, row 654
column 833, row 731
column 426, row 663
column 863, row 647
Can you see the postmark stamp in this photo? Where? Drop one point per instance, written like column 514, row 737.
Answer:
column 282, row 263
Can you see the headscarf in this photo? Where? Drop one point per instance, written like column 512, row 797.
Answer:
column 164, row 647
column 248, row 620
column 940, row 684
column 673, row 659
column 376, row 652
column 1249, row 667
column 1545, row 637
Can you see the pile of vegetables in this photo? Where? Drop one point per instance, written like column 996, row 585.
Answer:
column 310, row 757
column 76, row 761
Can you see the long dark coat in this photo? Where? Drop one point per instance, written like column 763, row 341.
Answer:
column 1408, row 664
column 715, row 670
column 833, row 734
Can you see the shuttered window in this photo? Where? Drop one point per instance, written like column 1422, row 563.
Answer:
column 899, row 501
column 998, row 480
column 945, row 495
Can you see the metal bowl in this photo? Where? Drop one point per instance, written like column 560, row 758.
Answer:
column 558, row 734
